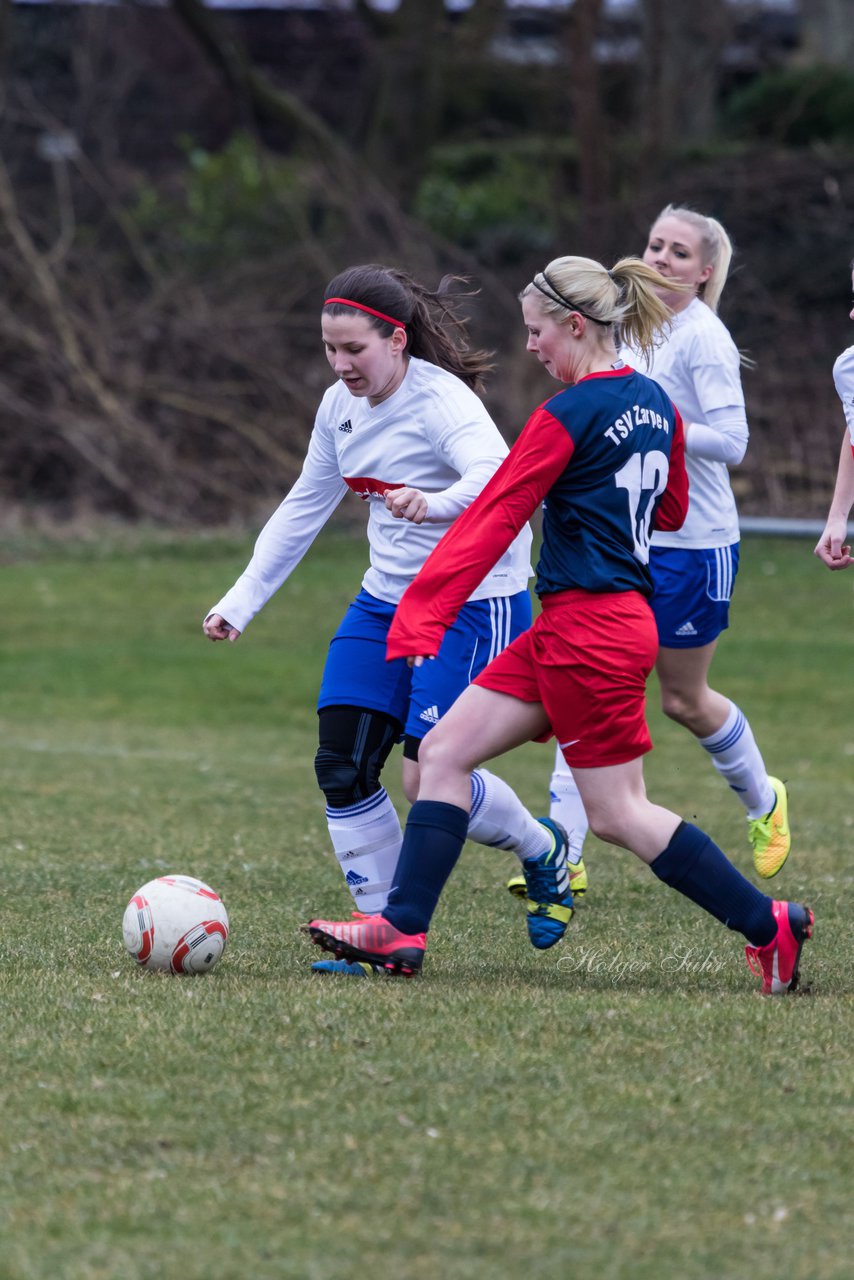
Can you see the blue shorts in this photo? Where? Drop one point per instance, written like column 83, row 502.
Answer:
column 691, row 594
column 357, row 674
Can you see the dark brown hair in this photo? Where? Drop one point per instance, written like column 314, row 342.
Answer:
column 427, row 316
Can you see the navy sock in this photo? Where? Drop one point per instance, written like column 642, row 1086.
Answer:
column 432, row 842
column 694, row 865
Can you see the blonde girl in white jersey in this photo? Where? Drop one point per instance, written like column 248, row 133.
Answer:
column 694, row 569
column 831, row 547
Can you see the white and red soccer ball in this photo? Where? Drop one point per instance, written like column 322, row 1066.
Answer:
column 176, row 924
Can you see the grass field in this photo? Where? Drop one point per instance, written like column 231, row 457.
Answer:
column 625, row 1105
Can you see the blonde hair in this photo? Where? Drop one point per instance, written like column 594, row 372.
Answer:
column 715, row 250
column 623, row 297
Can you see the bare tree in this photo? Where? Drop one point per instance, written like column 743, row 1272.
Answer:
column 681, row 62
column 590, row 127
column 411, row 58
column 828, row 31
column 408, row 100
column 133, row 381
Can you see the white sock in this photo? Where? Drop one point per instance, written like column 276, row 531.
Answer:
column 366, row 838
column 566, row 807
column 499, row 819
column 737, row 758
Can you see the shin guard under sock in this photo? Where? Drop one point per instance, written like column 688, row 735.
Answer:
column 694, row 865
column 432, row 842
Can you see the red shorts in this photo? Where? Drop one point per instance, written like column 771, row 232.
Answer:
column 586, row 658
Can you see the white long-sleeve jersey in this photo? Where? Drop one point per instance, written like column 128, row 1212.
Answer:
column 432, row 433
column 843, row 380
column 698, row 366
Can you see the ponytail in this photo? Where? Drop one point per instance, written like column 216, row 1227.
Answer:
column 622, row 298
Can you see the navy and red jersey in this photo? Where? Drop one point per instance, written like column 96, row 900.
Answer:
column 607, row 458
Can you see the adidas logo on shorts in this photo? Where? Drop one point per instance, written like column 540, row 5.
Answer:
column 431, row 715
column 687, row 629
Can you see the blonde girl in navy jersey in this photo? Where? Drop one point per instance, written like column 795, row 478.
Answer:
column 402, row 428
column 694, row 568
column 606, row 456
column 831, row 547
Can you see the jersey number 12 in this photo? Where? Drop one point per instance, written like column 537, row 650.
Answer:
column 644, row 477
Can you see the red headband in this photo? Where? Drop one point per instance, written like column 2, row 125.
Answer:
column 360, row 306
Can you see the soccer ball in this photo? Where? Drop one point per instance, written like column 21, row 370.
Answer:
column 176, row 924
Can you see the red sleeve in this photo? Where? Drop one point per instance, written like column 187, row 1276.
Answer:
column 673, row 507
column 479, row 537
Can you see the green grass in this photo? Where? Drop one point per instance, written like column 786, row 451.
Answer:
column 622, row 1106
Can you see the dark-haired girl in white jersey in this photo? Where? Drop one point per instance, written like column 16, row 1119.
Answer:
column 403, row 429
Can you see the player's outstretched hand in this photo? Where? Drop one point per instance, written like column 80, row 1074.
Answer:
column 831, row 547
column 407, row 504
column 215, row 627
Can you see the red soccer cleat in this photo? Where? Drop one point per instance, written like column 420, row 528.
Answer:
column 372, row 939
column 777, row 962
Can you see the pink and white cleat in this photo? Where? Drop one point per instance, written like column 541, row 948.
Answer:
column 777, row 962
column 373, row 940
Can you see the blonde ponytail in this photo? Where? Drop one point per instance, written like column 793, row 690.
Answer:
column 623, row 298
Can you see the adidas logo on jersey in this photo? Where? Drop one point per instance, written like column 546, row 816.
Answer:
column 347, row 426
column 687, row 629
column 431, row 715
column 353, row 878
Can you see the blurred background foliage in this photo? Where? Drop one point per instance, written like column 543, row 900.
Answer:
column 178, row 182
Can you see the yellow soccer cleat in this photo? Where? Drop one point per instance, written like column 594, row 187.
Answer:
column 577, row 878
column 770, row 837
